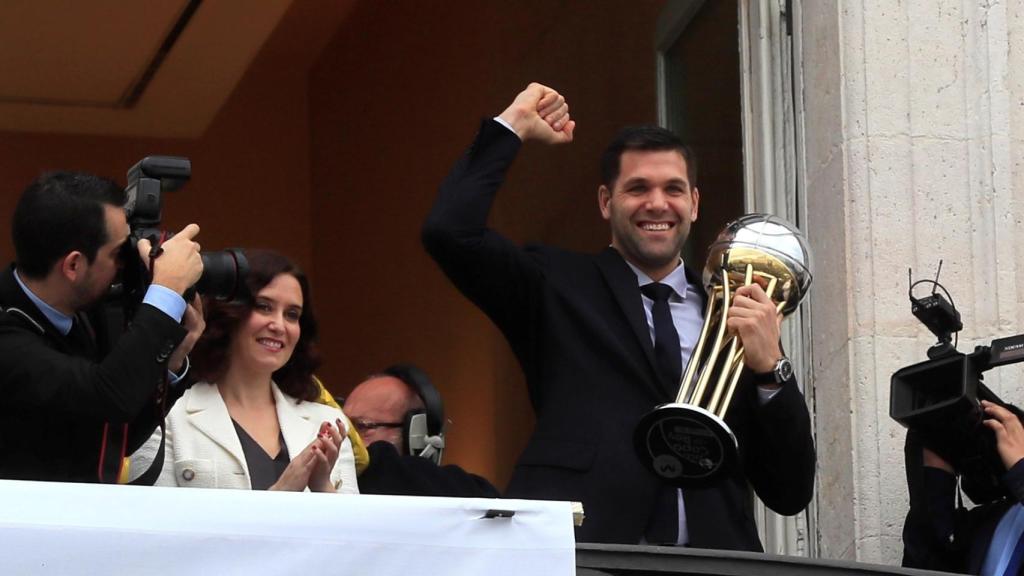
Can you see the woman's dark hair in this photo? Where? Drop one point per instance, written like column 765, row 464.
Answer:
column 210, row 355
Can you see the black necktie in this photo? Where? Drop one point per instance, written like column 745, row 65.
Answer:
column 666, row 339
column 81, row 338
column 663, row 523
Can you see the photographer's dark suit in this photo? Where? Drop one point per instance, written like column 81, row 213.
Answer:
column 576, row 323
column 56, row 392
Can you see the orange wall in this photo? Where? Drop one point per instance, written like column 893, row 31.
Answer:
column 250, row 169
column 709, row 118
column 395, row 99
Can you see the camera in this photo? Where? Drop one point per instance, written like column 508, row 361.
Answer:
column 940, row 398
column 224, row 272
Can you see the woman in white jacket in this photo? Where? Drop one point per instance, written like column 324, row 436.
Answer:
column 252, row 421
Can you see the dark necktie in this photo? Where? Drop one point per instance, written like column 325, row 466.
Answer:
column 666, row 339
column 663, row 524
column 81, row 338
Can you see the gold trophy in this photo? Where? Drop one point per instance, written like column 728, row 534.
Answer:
column 687, row 443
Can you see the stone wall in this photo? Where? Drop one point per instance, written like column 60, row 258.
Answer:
column 913, row 127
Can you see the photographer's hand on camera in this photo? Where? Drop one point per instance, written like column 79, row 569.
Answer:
column 1008, row 430
column 179, row 265
column 194, row 322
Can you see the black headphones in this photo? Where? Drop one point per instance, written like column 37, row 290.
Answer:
column 422, row 429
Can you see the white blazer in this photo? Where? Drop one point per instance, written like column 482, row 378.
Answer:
column 203, row 451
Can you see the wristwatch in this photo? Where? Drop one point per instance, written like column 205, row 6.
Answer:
column 782, row 371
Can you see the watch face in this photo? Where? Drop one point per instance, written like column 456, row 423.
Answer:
column 783, row 370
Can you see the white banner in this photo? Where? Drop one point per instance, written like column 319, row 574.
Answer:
column 80, row 529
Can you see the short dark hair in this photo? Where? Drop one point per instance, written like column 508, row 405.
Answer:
column 647, row 139
column 209, row 357
column 58, row 213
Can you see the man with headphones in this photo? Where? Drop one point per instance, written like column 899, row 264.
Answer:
column 400, row 417
column 399, row 406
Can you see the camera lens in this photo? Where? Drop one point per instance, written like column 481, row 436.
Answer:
column 224, row 274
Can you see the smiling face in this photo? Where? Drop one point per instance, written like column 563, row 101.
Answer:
column 266, row 340
column 650, row 209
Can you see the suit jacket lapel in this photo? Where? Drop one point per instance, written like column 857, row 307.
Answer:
column 12, row 296
column 296, row 423
column 208, row 413
column 623, row 284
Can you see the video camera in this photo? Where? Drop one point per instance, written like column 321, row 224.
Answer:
column 224, row 272
column 940, row 397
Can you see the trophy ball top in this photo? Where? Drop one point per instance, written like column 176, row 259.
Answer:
column 773, row 247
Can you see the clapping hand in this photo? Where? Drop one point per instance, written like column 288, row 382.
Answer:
column 312, row 467
column 329, row 444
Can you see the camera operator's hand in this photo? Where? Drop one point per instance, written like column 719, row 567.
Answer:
column 179, row 265
column 1009, row 432
column 195, row 323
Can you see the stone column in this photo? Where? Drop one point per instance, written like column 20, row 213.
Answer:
column 913, row 124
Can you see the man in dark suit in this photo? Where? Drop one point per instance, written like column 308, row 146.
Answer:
column 940, row 534
column 62, row 398
column 583, row 331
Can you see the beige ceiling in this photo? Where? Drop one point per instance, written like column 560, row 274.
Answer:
column 95, row 66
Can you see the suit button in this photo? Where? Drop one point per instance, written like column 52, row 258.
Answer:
column 188, row 474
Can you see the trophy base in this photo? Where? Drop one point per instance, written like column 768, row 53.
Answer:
column 685, row 445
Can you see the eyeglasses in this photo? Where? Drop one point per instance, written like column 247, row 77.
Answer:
column 366, row 425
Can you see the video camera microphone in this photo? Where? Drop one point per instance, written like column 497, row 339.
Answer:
column 937, row 313
column 941, row 397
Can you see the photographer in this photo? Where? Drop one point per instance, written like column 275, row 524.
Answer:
column 65, row 402
column 939, row 534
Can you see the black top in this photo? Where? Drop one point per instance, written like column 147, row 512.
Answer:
column 263, row 470
column 401, row 475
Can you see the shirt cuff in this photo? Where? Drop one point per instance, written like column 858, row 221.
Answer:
column 499, row 120
column 173, row 378
column 765, row 394
column 165, row 300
